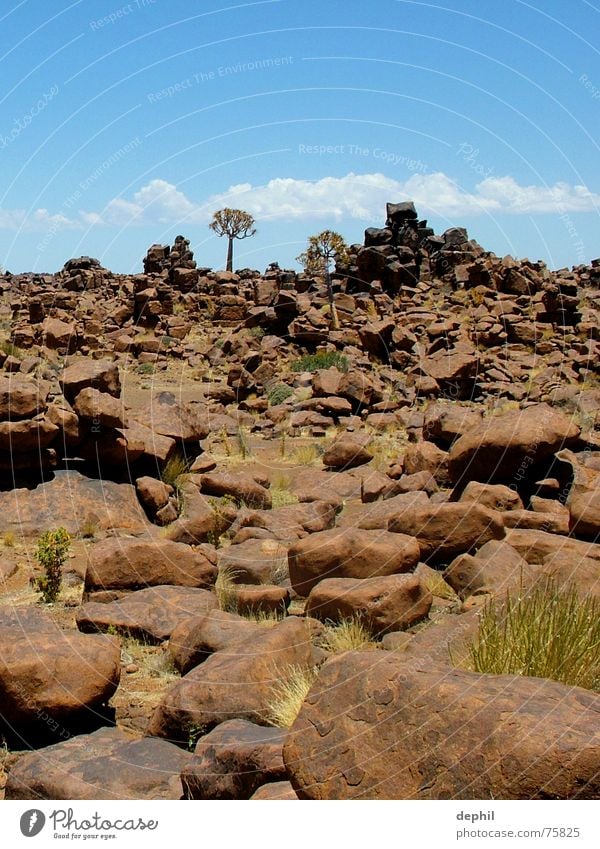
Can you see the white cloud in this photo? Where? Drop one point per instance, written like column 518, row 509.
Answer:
column 357, row 196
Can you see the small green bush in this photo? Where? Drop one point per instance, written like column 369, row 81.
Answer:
column 545, row 632
column 145, row 368
column 52, row 550
column 322, row 359
column 278, row 394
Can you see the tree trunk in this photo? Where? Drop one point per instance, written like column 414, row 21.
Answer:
column 230, row 254
column 335, row 324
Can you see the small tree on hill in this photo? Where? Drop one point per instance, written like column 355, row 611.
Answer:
column 235, row 224
column 324, row 249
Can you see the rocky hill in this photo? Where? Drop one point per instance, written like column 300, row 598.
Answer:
column 254, row 482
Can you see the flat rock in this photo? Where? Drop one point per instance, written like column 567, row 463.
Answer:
column 107, row 764
column 151, row 614
column 71, row 500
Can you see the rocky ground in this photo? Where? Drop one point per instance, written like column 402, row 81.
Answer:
column 255, row 483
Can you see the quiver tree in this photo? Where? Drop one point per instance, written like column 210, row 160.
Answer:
column 325, row 249
column 235, row 224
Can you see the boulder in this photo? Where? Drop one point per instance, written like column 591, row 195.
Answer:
column 496, row 568
column 100, row 408
column 239, row 485
column 378, row 515
column 49, row 675
column 27, row 435
column 256, row 561
column 583, row 499
column 445, row 530
column 374, row 727
column 182, row 421
column 348, row 452
column 494, row 496
column 196, row 638
column 127, row 563
column 391, row 603
column 277, row 790
column 72, row 500
column 108, row 764
column 502, row 448
column 151, row 614
column 349, row 553
column 234, row 760
column 153, row 493
column 21, row 397
column 233, row 684
column 199, row 519
column 81, row 373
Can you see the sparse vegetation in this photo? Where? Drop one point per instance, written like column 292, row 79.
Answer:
column 11, row 350
column 174, row 468
column 348, row 635
column 9, row 539
column 145, row 368
column 545, row 632
column 437, row 586
column 307, row 455
column 52, row 550
column 226, row 589
column 288, row 694
column 322, row 359
column 278, row 394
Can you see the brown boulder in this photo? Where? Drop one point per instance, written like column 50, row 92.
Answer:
column 100, row 408
column 196, row 638
column 445, row 530
column 239, row 485
column 349, row 553
column 234, row 760
column 494, row 496
column 583, row 499
column 107, row 764
column 59, row 334
column 151, row 614
column 256, row 561
column 504, row 447
column 237, row 683
column 391, row 603
column 178, row 420
column 83, row 372
column 278, row 790
column 71, row 500
column 153, row 494
column 378, row 515
column 27, row 435
column 22, row 398
column 496, row 568
column 374, row 727
column 347, row 452
column 128, row 563
column 199, row 519
column 50, row 674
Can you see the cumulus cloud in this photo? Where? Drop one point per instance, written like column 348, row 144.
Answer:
column 354, row 196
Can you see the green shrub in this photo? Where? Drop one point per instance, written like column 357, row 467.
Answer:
column 145, row 368
column 52, row 550
column 175, row 466
column 278, row 394
column 322, row 359
column 545, row 632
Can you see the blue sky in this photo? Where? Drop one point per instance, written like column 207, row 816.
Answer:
column 124, row 124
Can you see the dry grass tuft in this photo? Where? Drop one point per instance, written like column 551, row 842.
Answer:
column 288, row 694
column 347, row 635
